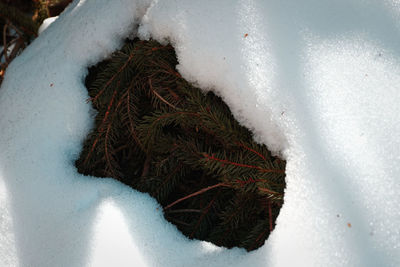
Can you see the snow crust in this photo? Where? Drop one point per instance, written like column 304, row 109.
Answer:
column 316, row 80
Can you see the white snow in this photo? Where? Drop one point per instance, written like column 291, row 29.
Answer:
column 46, row 23
column 316, row 80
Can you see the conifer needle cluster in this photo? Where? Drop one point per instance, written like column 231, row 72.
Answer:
column 159, row 134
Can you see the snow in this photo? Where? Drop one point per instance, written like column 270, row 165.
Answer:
column 315, row 80
column 46, row 23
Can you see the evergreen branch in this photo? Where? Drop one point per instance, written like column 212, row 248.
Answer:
column 262, row 189
column 161, row 135
column 101, row 130
column 249, row 181
column 106, row 152
column 195, row 194
column 131, row 124
column 259, row 237
column 224, row 161
column 112, row 78
column 159, row 96
column 125, row 146
column 174, row 95
column 236, row 211
column 89, row 154
column 252, row 150
column 203, row 214
column 177, row 168
column 174, row 114
column 109, row 108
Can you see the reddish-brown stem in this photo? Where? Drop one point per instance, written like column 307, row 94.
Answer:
column 173, row 93
column 204, row 214
column 249, row 181
column 252, row 150
column 269, row 191
column 171, row 114
column 176, row 74
column 259, row 237
column 112, row 78
column 107, row 155
column 224, row 161
column 159, row 96
column 109, row 107
column 160, row 48
column 91, row 151
column 196, row 193
column 168, row 115
column 101, row 130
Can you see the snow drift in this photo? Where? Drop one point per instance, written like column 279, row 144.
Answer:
column 317, row 81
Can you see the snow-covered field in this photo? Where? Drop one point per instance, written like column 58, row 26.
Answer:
column 318, row 81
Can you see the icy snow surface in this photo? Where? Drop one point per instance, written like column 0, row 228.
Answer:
column 316, row 80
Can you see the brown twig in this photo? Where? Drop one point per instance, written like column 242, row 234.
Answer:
column 196, row 193
column 159, row 96
column 15, row 29
column 17, row 47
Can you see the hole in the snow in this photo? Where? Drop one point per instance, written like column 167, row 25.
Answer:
column 159, row 134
